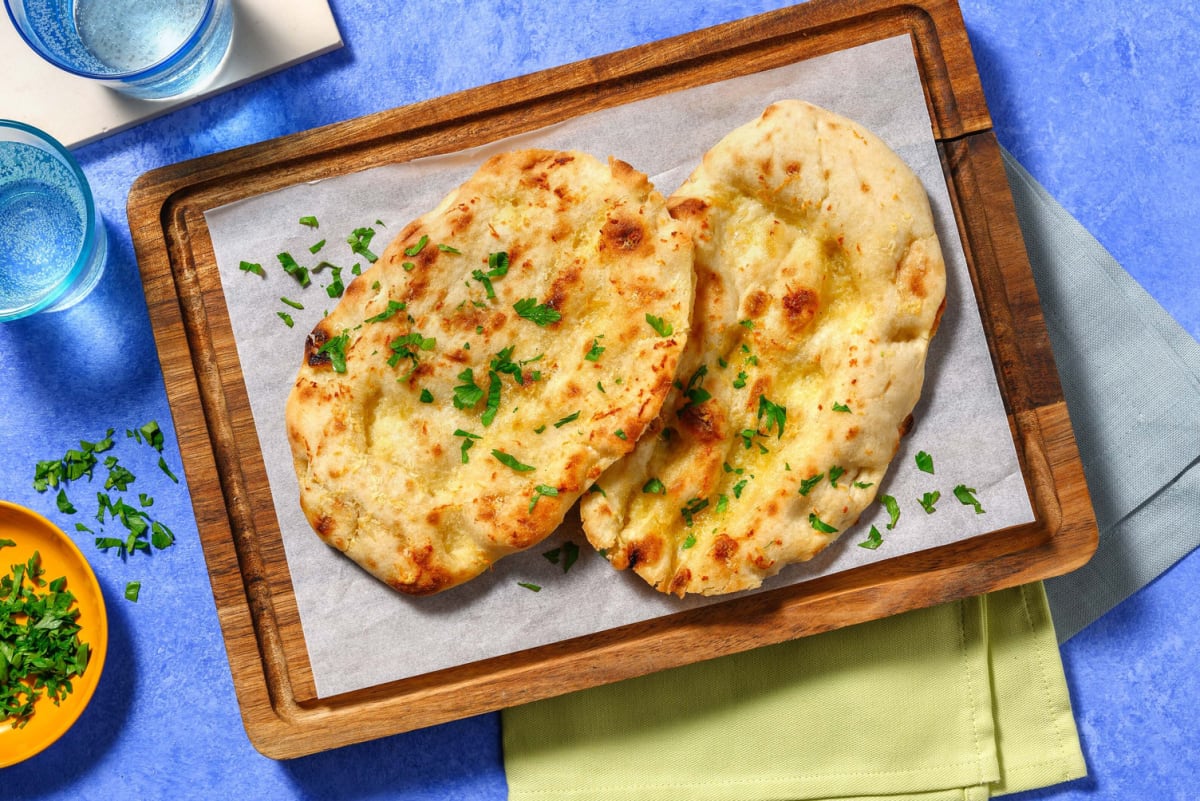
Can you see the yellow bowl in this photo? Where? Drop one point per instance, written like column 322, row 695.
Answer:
column 60, row 557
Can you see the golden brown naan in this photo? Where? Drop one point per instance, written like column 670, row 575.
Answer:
column 820, row 282
column 480, row 376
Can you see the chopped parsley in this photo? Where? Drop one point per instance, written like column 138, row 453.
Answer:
column 468, row 393
column 468, row 441
column 738, row 487
column 393, row 306
column 540, row 314
column 835, row 473
column 132, row 590
column 360, row 242
column 449, row 249
column 491, row 404
column 310, row 221
column 693, row 508
column 874, row 540
column 570, row 418
column 840, row 407
column 252, row 267
column 293, row 268
column 807, row 485
column 928, row 500
column 695, row 392
column 924, row 462
column 654, row 487
column 565, row 555
column 413, row 250
column 893, row 510
column 819, row 524
column 660, row 326
column 689, row 542
column 335, row 349
column 529, row 586
column 426, row 396
column 295, row 304
column 593, row 355
column 287, row 318
column 40, row 649
column 497, row 268
column 316, row 248
column 776, row 415
column 509, row 460
column 966, row 497
column 542, row 491
column 740, row 381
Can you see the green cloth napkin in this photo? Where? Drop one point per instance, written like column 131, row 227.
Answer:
column 961, row 701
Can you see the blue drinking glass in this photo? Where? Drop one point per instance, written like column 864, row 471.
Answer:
column 52, row 240
column 152, row 49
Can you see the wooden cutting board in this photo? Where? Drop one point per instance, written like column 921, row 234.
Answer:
column 232, row 498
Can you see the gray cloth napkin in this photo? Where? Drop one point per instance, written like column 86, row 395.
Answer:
column 1131, row 378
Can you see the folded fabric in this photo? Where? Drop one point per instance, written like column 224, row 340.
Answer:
column 1131, row 379
column 960, row 701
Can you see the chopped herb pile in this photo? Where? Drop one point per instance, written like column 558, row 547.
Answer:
column 40, row 649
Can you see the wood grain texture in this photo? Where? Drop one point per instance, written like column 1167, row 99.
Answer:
column 231, row 496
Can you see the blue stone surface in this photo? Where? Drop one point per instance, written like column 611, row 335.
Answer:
column 1097, row 98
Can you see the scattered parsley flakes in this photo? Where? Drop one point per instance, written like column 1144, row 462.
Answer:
column 776, row 415
column 654, row 487
column 287, row 318
column 874, row 540
column 819, row 524
column 426, row 396
column 467, row 393
column 511, row 461
column 841, row 407
column 360, row 242
column 722, row 503
column 740, row 381
column 316, row 248
column 660, row 326
column 540, row 314
column 835, row 473
column 293, row 268
column 924, row 462
column 593, row 355
column 747, row 324
column 468, row 441
column 132, row 590
column 449, row 249
column 864, row 484
column 620, row 434
column 689, row 542
column 393, row 307
column 491, row 404
column 928, row 500
column 529, row 586
column 413, row 250
column 693, row 508
column 542, row 491
column 335, row 349
column 295, row 304
column 162, row 465
column 695, row 392
column 966, row 497
column 64, row 505
column 807, row 484
column 252, row 267
column 570, row 418
column 310, row 221
column 893, row 510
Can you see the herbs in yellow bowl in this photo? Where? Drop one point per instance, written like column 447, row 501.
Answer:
column 53, row 633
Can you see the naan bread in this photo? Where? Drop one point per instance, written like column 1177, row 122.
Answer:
column 480, row 376
column 819, row 285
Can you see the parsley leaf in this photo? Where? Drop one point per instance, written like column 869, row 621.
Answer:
column 893, row 510
column 874, row 540
column 511, row 461
column 966, row 496
column 660, row 326
column 654, row 487
column 570, row 418
column 840, row 407
column 776, row 415
column 542, row 491
column 292, row 268
column 693, row 508
column 819, row 524
column 924, row 462
column 928, row 500
column 393, row 307
column 335, row 349
column 468, row 441
column 252, row 267
column 540, row 314
column 593, row 355
column 468, row 393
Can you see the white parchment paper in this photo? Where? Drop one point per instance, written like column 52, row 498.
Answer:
column 358, row 631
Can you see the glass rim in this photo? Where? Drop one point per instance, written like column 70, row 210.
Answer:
column 91, row 220
column 164, row 64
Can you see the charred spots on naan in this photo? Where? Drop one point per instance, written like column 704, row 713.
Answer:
column 704, row 423
column 623, row 234
column 568, row 282
column 724, row 548
column 647, row 551
column 679, row 582
column 756, row 304
column 314, row 356
column 689, row 208
column 426, row 575
column 800, row 307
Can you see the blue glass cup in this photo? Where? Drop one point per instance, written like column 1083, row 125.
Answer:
column 52, row 241
column 151, row 49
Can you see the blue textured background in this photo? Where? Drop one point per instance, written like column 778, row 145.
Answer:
column 1097, row 98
